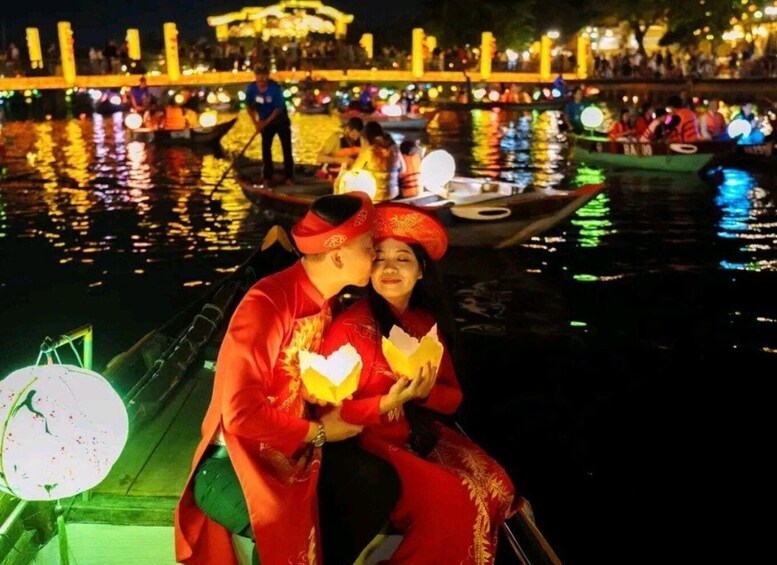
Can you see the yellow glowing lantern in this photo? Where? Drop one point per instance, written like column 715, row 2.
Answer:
column 591, row 117
column 133, row 44
column 406, row 355
column 433, row 93
column 361, row 181
column 223, row 97
column 332, row 378
column 211, row 98
column 133, row 121
column 178, row 98
column 208, row 119
column 171, row 51
column 391, row 110
column 437, row 170
column 63, row 428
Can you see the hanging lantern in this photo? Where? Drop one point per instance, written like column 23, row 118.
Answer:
column 63, row 428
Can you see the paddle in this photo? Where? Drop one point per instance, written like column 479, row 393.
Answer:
column 235, row 160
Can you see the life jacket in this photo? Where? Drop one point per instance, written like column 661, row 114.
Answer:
column 715, row 123
column 410, row 179
column 687, row 130
column 175, row 118
column 649, row 135
column 641, row 125
column 617, row 130
column 345, row 150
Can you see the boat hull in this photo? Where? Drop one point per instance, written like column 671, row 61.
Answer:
column 193, row 136
column 674, row 157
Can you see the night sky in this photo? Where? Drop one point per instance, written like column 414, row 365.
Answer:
column 96, row 22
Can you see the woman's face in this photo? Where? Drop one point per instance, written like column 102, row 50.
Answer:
column 395, row 271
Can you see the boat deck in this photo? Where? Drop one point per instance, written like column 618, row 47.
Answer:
column 147, row 480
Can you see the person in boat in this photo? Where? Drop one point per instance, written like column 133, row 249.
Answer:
column 573, row 111
column 410, row 171
column 454, row 497
column 622, row 129
column 256, row 468
column 687, row 130
column 366, row 102
column 381, row 158
column 746, row 113
column 645, row 117
column 140, row 99
column 176, row 117
column 712, row 123
column 267, row 109
column 659, row 128
column 340, row 151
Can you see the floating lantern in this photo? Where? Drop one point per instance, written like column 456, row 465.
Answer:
column 406, row 355
column 493, row 96
column 133, row 121
column 592, row 117
column 739, row 127
column 178, row 98
column 211, row 98
column 332, row 378
column 208, row 119
column 63, row 428
column 223, row 97
column 437, row 170
column 360, row 180
column 391, row 110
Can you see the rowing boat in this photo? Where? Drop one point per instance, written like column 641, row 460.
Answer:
column 476, row 212
column 189, row 136
column 675, row 157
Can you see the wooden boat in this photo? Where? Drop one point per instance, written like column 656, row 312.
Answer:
column 675, row 157
column 404, row 122
column 189, row 136
column 166, row 380
column 477, row 212
column 313, row 109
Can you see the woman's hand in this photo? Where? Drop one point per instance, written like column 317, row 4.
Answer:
column 428, row 380
column 336, row 428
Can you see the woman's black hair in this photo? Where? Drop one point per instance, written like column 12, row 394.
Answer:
column 372, row 131
column 426, row 296
column 336, row 208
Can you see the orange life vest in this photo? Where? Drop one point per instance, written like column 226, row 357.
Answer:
column 174, row 118
column 410, row 178
column 687, row 130
column 716, row 125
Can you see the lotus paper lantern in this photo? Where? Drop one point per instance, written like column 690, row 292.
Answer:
column 332, row 378
column 359, row 180
column 437, row 169
column 406, row 354
column 62, row 429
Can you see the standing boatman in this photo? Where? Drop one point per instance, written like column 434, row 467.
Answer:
column 267, row 109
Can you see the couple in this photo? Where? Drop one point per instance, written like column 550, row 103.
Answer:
column 256, row 470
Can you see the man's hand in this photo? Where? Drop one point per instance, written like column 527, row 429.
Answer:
column 336, row 428
column 260, row 124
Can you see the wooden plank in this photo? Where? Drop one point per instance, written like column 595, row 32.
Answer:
column 123, row 510
column 141, row 445
column 167, row 469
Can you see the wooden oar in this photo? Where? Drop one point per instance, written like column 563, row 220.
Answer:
column 232, row 164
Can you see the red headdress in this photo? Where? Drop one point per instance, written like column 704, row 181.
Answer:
column 313, row 234
column 411, row 225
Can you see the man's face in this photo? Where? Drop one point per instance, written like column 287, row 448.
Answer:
column 713, row 105
column 357, row 256
column 261, row 80
column 352, row 134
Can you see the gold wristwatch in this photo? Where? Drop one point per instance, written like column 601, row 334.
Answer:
column 320, row 438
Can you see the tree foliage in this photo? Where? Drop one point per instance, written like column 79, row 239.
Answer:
column 457, row 22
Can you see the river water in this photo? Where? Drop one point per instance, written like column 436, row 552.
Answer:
column 618, row 365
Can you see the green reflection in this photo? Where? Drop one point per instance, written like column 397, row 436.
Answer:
column 593, row 221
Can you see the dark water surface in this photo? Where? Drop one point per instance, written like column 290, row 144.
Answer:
column 618, row 366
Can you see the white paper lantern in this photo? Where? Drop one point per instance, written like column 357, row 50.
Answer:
column 592, row 117
column 115, row 100
column 133, row 121
column 61, row 430
column 437, row 169
column 360, row 180
column 391, row 110
column 739, row 127
column 208, row 119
